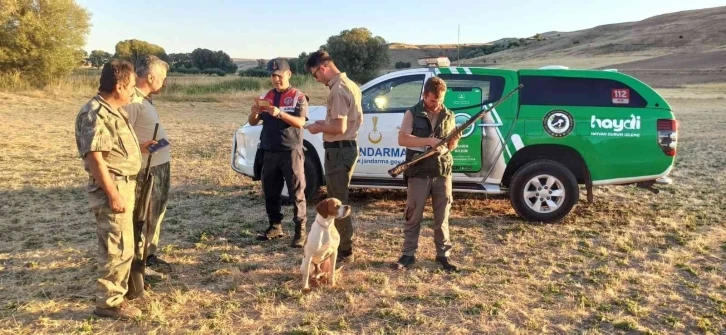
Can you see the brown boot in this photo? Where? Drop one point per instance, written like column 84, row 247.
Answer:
column 298, row 241
column 124, row 311
column 273, row 232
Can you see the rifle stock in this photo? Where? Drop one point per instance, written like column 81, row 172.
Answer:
column 400, row 168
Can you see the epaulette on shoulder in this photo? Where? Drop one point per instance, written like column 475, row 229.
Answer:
column 97, row 108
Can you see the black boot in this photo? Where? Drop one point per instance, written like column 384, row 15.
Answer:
column 298, row 241
column 344, row 257
column 273, row 232
column 446, row 264
column 404, row 262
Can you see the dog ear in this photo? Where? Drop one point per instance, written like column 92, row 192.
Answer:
column 332, row 210
column 322, row 208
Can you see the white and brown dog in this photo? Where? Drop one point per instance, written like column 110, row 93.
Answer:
column 321, row 247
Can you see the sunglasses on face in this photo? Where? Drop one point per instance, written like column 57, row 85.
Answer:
column 315, row 73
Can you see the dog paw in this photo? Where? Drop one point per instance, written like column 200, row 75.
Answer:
column 306, row 290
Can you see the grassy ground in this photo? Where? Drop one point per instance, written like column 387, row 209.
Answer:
column 633, row 262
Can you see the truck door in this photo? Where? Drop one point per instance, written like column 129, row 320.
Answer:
column 384, row 104
column 475, row 154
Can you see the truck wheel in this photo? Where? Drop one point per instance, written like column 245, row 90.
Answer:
column 543, row 191
column 312, row 176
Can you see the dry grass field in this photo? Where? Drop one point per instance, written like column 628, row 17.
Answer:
column 632, row 262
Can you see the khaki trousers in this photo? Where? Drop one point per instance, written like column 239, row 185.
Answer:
column 418, row 191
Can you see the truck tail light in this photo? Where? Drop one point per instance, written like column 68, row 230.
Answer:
column 668, row 136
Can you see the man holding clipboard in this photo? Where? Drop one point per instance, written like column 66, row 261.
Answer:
column 283, row 111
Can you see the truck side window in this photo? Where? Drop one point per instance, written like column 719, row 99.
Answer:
column 394, row 95
column 564, row 91
column 491, row 86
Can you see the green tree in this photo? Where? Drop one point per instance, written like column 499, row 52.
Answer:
column 82, row 56
column 358, row 53
column 133, row 50
column 180, row 60
column 208, row 59
column 98, row 58
column 41, row 39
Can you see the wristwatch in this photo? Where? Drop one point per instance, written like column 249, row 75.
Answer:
column 279, row 115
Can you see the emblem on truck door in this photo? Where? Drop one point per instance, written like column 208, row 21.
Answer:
column 375, row 136
column 558, row 123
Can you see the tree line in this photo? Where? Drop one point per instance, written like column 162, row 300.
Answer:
column 43, row 40
column 355, row 51
column 198, row 61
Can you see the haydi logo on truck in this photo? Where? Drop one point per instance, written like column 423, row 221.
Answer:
column 616, row 125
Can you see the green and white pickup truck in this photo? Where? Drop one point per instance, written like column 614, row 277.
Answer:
column 563, row 128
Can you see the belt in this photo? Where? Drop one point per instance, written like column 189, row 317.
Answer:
column 124, row 178
column 340, row 144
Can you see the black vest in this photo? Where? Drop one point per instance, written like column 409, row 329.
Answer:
column 276, row 134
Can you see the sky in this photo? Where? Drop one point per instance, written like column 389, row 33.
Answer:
column 285, row 28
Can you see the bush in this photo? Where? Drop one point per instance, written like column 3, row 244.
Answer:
column 298, row 80
column 254, row 72
column 403, row 65
column 239, row 84
column 216, row 71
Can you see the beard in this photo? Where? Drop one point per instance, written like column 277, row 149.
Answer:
column 433, row 107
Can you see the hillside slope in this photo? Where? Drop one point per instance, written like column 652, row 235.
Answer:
column 688, row 34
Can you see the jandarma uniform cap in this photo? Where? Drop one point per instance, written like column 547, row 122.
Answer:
column 278, row 65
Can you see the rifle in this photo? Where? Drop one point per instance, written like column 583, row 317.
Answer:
column 142, row 215
column 398, row 169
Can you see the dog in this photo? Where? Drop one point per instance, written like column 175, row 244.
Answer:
column 321, row 247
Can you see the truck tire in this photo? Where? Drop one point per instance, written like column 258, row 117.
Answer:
column 312, row 176
column 543, row 191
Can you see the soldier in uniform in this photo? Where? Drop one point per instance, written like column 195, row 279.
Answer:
column 112, row 157
column 143, row 117
column 281, row 142
column 426, row 124
column 340, row 131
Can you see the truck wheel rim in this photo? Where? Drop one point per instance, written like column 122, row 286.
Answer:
column 544, row 194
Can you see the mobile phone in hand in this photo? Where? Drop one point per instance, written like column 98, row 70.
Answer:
column 159, row 144
column 263, row 103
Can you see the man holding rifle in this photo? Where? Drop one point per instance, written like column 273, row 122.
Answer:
column 426, row 124
column 144, row 119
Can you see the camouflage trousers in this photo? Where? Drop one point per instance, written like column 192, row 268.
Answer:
column 115, row 233
column 159, row 200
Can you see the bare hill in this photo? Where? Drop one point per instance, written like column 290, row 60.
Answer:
column 244, row 63
column 401, row 52
column 687, row 33
column 702, row 61
column 689, row 39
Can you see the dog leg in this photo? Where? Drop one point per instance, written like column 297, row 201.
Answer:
column 305, row 269
column 331, row 272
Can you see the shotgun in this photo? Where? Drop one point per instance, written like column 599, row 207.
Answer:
column 400, row 168
column 142, row 214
